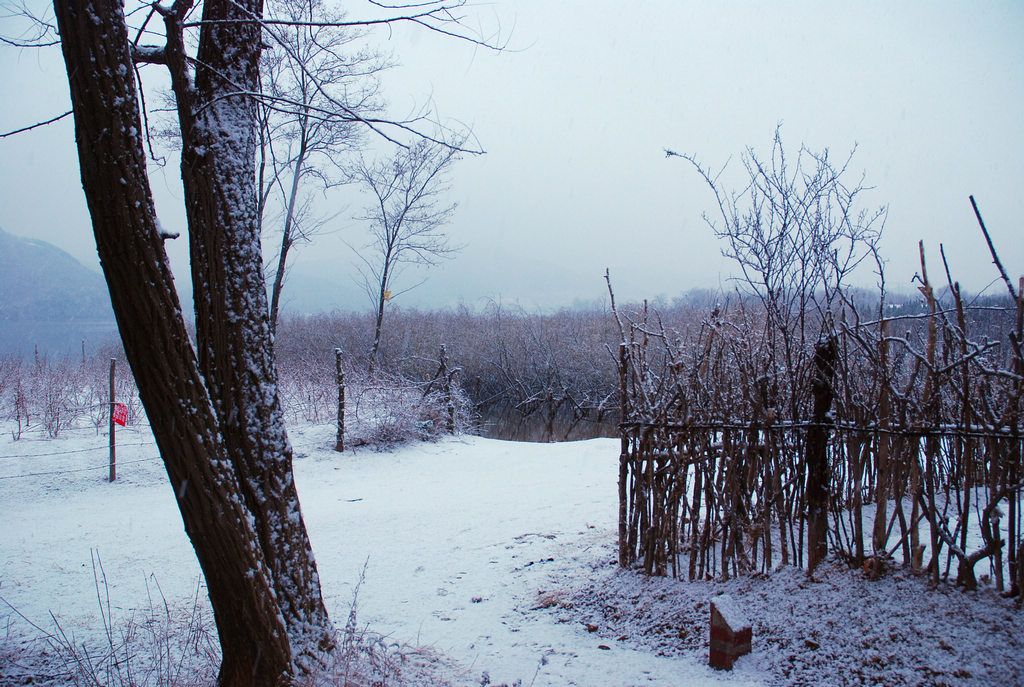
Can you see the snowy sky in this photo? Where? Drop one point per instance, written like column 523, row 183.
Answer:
column 575, row 115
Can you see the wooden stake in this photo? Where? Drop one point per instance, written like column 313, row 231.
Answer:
column 113, row 450
column 880, row 535
column 625, row 554
column 340, row 376
column 816, row 453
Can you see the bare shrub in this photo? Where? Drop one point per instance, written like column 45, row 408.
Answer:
column 550, row 371
column 364, row 658
column 389, row 410
column 56, row 394
column 59, row 387
column 10, row 373
column 19, row 410
column 162, row 646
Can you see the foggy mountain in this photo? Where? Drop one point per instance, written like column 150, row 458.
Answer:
column 39, row 281
column 50, row 303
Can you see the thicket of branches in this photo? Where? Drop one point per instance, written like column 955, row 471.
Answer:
column 532, row 376
column 54, row 394
column 923, row 430
column 527, row 376
column 518, row 374
column 790, row 417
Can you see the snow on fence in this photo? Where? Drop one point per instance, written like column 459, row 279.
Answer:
column 743, row 448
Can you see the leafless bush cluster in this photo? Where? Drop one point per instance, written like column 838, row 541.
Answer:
column 58, row 393
column 54, row 394
column 529, row 376
column 381, row 409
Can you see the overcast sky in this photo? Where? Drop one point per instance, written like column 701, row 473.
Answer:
column 575, row 116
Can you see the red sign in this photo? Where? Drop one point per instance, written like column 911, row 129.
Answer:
column 121, row 414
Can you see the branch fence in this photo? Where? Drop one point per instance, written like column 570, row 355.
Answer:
column 743, row 446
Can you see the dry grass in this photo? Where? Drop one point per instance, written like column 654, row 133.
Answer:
column 175, row 645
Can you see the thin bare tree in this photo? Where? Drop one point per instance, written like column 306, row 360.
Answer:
column 797, row 230
column 319, row 79
column 406, row 219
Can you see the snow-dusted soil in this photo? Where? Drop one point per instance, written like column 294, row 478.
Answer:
column 838, row 628
column 496, row 558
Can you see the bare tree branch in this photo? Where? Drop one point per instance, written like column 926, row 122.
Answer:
column 992, row 250
column 36, row 125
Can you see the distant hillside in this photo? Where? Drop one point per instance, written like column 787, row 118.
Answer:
column 39, row 281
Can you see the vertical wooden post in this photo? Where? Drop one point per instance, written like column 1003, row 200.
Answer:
column 625, row 555
column 930, row 399
column 816, row 456
column 447, row 382
column 879, row 540
column 340, row 377
column 113, row 450
column 1013, row 474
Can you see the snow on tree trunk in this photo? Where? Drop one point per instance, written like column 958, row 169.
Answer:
column 108, row 132
column 232, row 315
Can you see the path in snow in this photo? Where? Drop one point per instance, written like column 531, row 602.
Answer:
column 464, row 543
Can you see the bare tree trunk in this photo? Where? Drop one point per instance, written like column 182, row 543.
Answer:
column 381, row 300
column 96, row 51
column 275, row 297
column 232, row 320
column 288, row 233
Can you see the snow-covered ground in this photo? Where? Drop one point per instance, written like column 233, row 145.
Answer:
column 497, row 557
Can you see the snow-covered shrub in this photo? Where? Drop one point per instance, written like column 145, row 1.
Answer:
column 386, row 410
column 164, row 645
column 59, row 387
column 10, row 372
column 381, row 410
column 546, row 374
